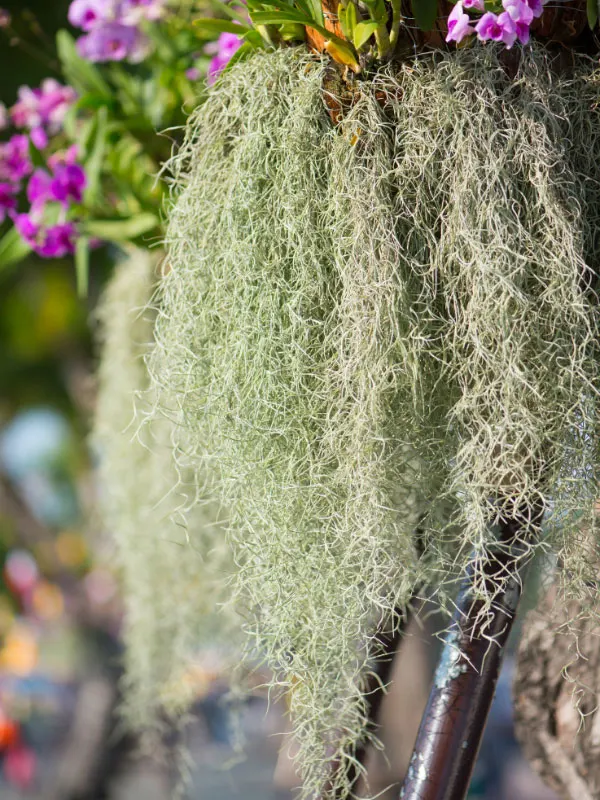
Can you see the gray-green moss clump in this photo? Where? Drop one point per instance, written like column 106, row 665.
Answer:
column 170, row 550
column 381, row 326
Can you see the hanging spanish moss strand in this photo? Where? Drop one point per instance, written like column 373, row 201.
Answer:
column 375, row 323
column 169, row 547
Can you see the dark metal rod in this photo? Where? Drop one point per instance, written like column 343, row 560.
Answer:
column 465, row 681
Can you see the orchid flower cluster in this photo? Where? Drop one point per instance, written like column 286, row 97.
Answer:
column 47, row 227
column 112, row 28
column 79, row 158
column 507, row 26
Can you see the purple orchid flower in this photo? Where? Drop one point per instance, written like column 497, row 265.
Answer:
column 477, row 5
column 537, row 6
column 518, row 10
column 86, row 14
column 65, row 186
column 68, row 156
column 38, row 189
column 132, row 12
column 28, row 228
column 15, row 163
column 55, row 241
column 8, row 202
column 68, row 184
column 59, row 240
column 113, row 42
column 226, row 45
column 501, row 28
column 459, row 24
column 41, row 108
column 55, row 101
column 26, row 111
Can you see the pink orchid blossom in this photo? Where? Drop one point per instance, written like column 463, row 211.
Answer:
column 227, row 44
column 8, row 201
column 132, row 12
column 459, row 24
column 501, row 28
column 476, row 5
column 86, row 14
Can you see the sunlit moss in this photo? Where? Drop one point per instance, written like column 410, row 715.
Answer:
column 378, row 326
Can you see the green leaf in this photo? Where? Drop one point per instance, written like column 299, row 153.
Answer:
column 37, row 159
column 212, row 27
column 348, row 18
column 254, row 38
column 292, row 32
column 94, row 163
column 425, row 13
column 82, row 265
column 316, row 11
column 592, row 13
column 234, row 13
column 83, row 76
column 363, row 32
column 12, row 248
column 280, row 18
column 121, row 230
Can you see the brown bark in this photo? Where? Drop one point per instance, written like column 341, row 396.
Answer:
column 557, row 697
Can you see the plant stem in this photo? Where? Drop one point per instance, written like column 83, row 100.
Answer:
column 396, row 20
column 465, row 681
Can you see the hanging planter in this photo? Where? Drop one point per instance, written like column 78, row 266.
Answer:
column 380, row 317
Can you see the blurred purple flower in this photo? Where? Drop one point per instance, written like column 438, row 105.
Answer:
column 65, row 186
column 5, row 18
column 113, row 42
column 132, row 12
column 39, row 137
column 478, row 5
column 26, row 111
column 68, row 184
column 4, row 120
column 58, row 241
column 193, row 74
column 68, row 156
column 227, row 44
column 53, row 242
column 86, row 14
column 55, row 101
column 38, row 188
column 8, row 201
column 43, row 107
column 15, row 163
column 500, row 28
column 28, row 228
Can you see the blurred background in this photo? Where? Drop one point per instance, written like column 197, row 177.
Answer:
column 60, row 733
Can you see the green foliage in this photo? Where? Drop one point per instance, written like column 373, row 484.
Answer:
column 12, row 249
column 425, row 12
column 378, row 326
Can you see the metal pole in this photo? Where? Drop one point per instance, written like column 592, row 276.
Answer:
column 465, row 681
